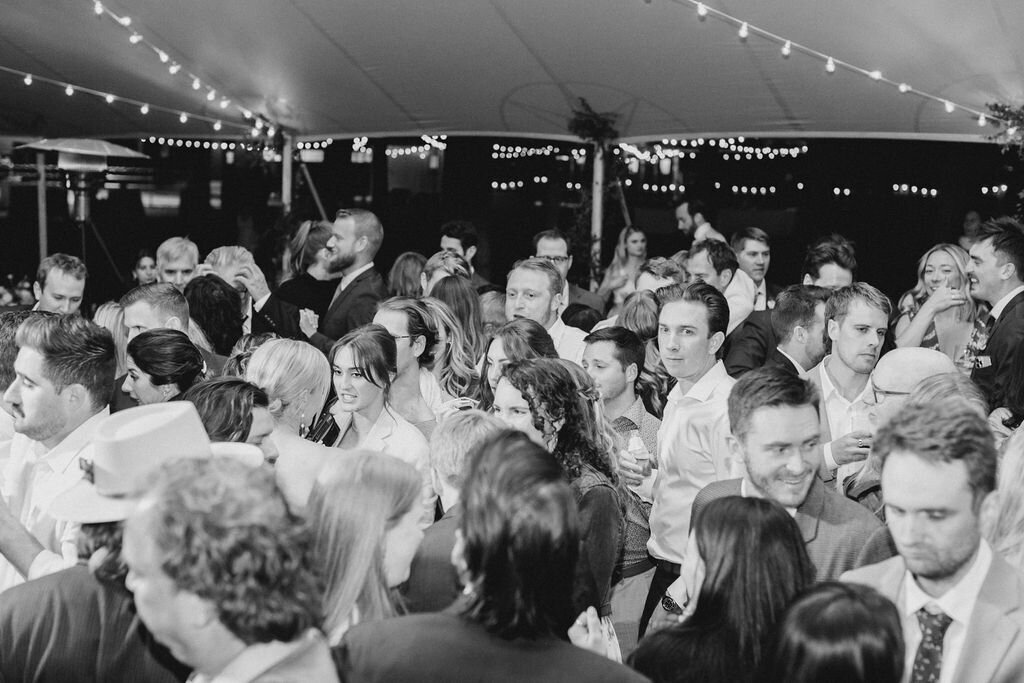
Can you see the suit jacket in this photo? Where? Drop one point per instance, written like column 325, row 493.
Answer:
column 352, row 308
column 777, row 360
column 993, row 650
column 449, row 647
column 839, row 534
column 433, row 582
column 750, row 344
column 1004, row 337
column 578, row 295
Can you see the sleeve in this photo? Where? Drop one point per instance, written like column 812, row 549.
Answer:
column 748, row 349
column 277, row 316
column 48, row 562
column 600, row 525
column 830, row 461
column 878, row 548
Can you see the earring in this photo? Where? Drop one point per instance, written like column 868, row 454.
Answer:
column 303, row 427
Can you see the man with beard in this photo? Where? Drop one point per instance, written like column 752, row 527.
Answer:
column 961, row 604
column 357, row 237
column 856, row 319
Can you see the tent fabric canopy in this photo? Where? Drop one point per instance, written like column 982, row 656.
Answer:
column 341, row 68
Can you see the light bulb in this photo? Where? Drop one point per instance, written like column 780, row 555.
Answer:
column 144, row 109
column 787, row 49
column 224, row 104
column 109, row 99
column 28, row 79
column 904, row 87
column 744, row 31
column 125, row 21
column 98, row 8
column 876, row 74
column 135, row 39
column 702, row 11
column 830, row 65
column 196, row 84
column 950, row 107
column 981, row 120
column 216, row 125
column 69, row 91
column 183, row 118
column 162, row 55
column 174, row 68
column 211, row 96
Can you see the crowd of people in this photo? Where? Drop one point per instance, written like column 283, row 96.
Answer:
column 686, row 472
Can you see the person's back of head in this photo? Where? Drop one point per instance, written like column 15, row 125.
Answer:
column 166, row 306
column 404, row 276
column 453, row 439
column 226, row 405
column 581, row 316
column 832, row 249
column 492, row 311
column 658, row 272
column 519, row 540
column 215, row 306
column 947, row 384
column 309, row 239
column 169, row 358
column 795, row 306
column 840, row 633
column 295, row 375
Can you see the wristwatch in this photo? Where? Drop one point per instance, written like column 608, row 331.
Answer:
column 670, row 605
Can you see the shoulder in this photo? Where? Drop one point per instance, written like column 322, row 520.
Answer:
column 718, row 489
column 883, row 576
column 842, row 511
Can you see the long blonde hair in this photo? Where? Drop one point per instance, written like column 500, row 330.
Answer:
column 912, row 300
column 286, row 369
column 111, row 316
column 357, row 498
column 621, row 259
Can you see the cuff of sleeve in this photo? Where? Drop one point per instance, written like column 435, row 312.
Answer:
column 45, row 563
column 261, row 302
column 830, row 462
column 677, row 591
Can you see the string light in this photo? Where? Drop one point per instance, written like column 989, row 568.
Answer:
column 744, row 31
column 949, row 107
column 174, row 68
column 109, row 99
column 196, row 84
column 124, row 21
column 787, row 49
column 28, row 79
column 702, row 10
column 98, row 9
column 69, row 91
column 135, row 39
column 183, row 118
column 144, row 109
column 211, row 96
column 981, row 120
column 904, row 87
column 162, row 55
column 830, row 65
column 876, row 75
column 217, row 125
column 224, row 103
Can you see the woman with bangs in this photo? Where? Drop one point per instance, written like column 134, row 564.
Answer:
column 365, row 515
column 363, row 365
column 939, row 312
column 412, row 327
column 518, row 339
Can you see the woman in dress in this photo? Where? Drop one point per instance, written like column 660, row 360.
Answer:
column 939, row 312
column 620, row 276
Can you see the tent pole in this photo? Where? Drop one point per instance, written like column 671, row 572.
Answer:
column 596, row 212
column 41, row 204
column 286, row 174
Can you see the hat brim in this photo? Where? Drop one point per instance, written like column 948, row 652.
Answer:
column 82, row 504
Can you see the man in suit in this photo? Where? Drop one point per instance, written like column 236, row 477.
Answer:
column 754, row 253
column 961, row 604
column 357, row 237
column 996, row 272
column 461, row 237
column 554, row 245
column 433, row 582
column 797, row 321
column 857, row 321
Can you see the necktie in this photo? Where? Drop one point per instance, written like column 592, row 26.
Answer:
column 928, row 660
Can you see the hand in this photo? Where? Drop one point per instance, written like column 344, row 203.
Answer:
column 309, row 322
column 945, row 298
column 254, row 281
column 586, row 632
column 455, row 405
column 662, row 618
column 631, row 473
column 204, row 269
column 853, row 447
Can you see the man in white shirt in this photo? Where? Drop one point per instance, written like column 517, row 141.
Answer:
column 754, row 253
column 176, row 261
column 534, row 291
column 714, row 262
column 691, row 218
column 962, row 605
column 857, row 319
column 996, row 272
column 63, row 375
column 693, row 448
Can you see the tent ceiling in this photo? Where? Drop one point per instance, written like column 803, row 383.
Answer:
column 343, row 68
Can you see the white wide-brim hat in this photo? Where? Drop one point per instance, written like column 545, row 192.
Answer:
column 127, row 448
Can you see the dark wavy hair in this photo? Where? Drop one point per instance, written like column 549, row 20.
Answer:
column 522, row 339
column 168, row 357
column 755, row 563
column 841, row 633
column 521, row 532
column 551, row 393
column 225, row 406
column 216, row 307
column 224, row 533
column 374, row 352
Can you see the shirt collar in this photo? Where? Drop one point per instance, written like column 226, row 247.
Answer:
column 350, row 278
column 958, row 601
column 706, row 385
column 257, row 659
column 828, row 389
column 636, row 411
column 557, row 329
column 997, row 310
column 60, row 457
column 799, row 368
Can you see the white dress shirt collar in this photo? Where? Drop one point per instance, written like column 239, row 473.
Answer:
column 799, row 368
column 350, row 278
column 997, row 310
column 958, row 601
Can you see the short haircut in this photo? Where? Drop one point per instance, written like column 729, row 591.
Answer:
column 174, row 249
column 366, row 225
column 463, row 231
column 418, row 322
column 229, row 256
column 225, row 406
column 74, row 351
column 456, row 436
column 71, row 266
column 720, row 254
column 740, row 237
column 168, row 357
column 795, row 307
column 10, row 321
column 663, row 268
column 629, row 349
column 522, row 533
column 766, row 388
column 940, row 386
column 373, row 351
column 162, row 297
column 839, row 302
column 838, row 627
column 834, row 249
column 694, row 206
column 224, row 533
column 1007, row 236
column 711, row 299
column 544, row 267
column 552, row 234
column 947, row 430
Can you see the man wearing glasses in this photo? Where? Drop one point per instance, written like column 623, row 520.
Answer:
column 554, row 246
column 898, row 372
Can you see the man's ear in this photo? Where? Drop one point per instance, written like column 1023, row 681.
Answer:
column 469, row 253
column 37, row 291
column 833, row 328
column 735, row 448
column 731, row 274
column 632, row 372
column 715, row 342
column 76, row 394
column 174, row 323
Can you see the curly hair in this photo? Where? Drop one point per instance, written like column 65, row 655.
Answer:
column 224, row 533
column 550, row 391
column 216, row 308
column 455, row 361
column 105, row 536
column 168, row 357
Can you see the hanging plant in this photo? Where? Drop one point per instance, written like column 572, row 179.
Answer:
column 1012, row 134
column 592, row 126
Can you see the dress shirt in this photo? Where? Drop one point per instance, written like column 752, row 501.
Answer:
column 692, row 453
column 799, row 369
column 997, row 310
column 958, row 603
column 704, row 231
column 260, row 658
column 761, row 296
column 740, row 295
column 31, row 480
column 6, row 426
column 568, row 341
column 840, row 414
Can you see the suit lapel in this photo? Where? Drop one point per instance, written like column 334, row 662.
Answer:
column 990, row 632
column 380, row 432
column 808, row 515
column 1006, row 312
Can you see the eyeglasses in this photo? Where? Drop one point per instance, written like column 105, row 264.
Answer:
column 396, row 337
column 555, row 259
column 881, row 394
